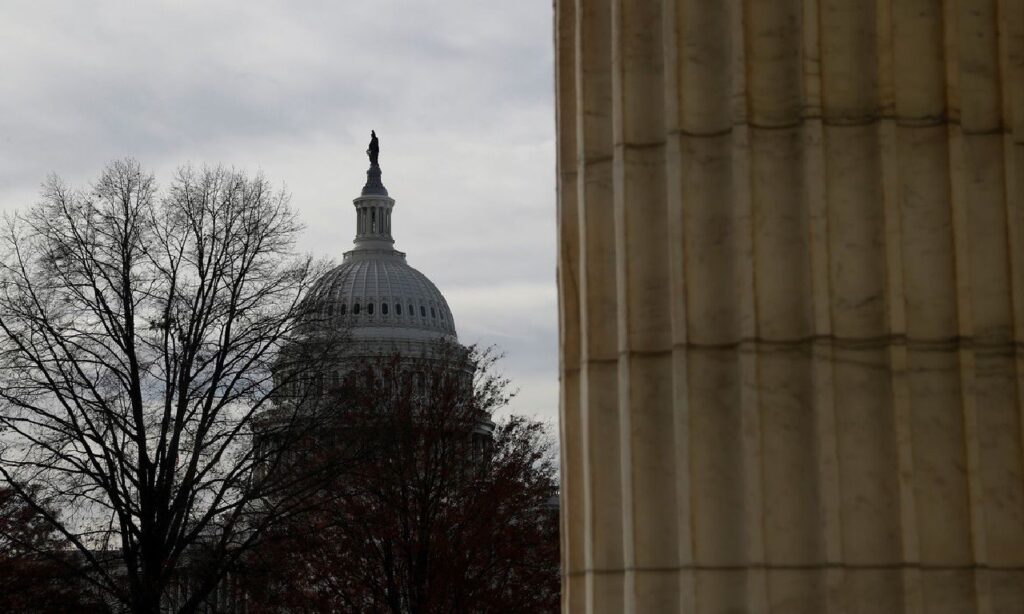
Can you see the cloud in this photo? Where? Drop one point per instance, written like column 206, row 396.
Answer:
column 460, row 92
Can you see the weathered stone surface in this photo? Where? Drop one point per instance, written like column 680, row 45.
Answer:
column 791, row 276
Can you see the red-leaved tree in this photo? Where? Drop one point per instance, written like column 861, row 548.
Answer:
column 443, row 516
column 37, row 572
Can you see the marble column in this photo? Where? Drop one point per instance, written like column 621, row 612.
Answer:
column 791, row 280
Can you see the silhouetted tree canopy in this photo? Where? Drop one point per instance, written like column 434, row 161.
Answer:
column 141, row 335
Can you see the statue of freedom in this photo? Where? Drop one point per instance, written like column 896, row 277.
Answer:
column 374, row 149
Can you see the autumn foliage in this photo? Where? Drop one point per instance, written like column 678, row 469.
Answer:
column 442, row 516
column 36, row 573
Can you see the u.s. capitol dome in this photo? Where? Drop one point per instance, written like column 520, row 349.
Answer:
column 383, row 303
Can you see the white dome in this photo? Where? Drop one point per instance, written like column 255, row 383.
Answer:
column 378, row 296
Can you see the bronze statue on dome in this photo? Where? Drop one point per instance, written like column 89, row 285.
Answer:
column 374, row 149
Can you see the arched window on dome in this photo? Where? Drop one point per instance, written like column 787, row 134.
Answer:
column 330, row 310
column 433, row 313
column 355, row 309
column 369, row 308
column 398, row 308
column 384, row 308
column 423, row 311
column 342, row 309
column 412, row 311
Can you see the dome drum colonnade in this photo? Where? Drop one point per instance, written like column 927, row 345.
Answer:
column 791, row 282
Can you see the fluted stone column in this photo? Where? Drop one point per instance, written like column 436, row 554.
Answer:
column 791, row 271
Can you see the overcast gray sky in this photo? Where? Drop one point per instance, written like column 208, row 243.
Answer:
column 459, row 91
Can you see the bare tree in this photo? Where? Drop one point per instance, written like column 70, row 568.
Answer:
column 442, row 517
column 141, row 339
